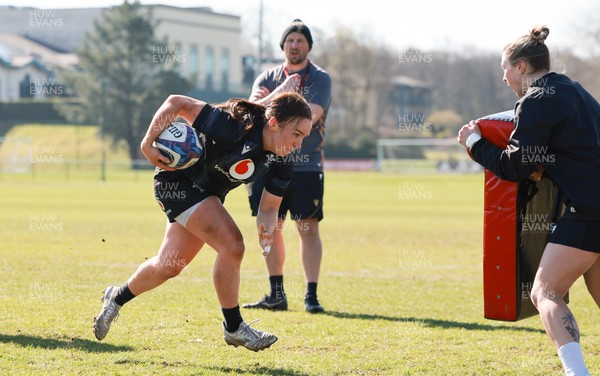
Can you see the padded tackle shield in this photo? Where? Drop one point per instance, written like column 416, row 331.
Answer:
column 518, row 218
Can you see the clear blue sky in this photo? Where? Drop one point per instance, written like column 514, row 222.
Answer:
column 422, row 24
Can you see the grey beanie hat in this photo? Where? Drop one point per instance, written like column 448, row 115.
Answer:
column 299, row 27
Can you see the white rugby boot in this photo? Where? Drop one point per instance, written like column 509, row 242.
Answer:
column 248, row 337
column 109, row 313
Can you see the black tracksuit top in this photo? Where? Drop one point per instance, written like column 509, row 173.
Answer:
column 557, row 126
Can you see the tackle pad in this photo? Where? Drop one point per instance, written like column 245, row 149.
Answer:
column 518, row 219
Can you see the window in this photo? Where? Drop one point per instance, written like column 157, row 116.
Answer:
column 176, row 56
column 194, row 61
column 210, row 67
column 27, row 87
column 225, row 69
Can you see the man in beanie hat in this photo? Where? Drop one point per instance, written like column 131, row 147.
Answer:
column 304, row 195
column 297, row 26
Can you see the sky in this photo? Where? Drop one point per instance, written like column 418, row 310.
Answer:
column 459, row 25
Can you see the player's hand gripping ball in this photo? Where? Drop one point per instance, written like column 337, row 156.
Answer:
column 181, row 144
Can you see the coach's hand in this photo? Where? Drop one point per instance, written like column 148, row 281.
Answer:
column 264, row 95
column 291, row 83
column 466, row 131
column 261, row 93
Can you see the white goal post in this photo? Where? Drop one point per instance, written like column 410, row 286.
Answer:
column 423, row 155
column 15, row 154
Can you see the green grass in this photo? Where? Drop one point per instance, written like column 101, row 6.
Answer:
column 40, row 151
column 401, row 278
column 401, row 282
column 69, row 142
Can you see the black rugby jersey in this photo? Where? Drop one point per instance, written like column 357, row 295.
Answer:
column 232, row 156
column 557, row 126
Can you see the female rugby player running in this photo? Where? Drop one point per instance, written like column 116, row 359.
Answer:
column 243, row 141
column 558, row 121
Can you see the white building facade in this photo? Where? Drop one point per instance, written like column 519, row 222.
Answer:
column 204, row 44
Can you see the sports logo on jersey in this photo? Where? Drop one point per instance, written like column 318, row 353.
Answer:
column 271, row 158
column 242, row 170
column 247, row 148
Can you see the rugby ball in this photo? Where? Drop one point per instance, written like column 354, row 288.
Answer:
column 180, row 143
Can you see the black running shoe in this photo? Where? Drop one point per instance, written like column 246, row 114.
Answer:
column 271, row 303
column 312, row 305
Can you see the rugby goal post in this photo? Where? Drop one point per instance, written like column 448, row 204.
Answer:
column 15, row 154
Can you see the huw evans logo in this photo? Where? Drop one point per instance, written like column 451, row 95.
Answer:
column 536, row 223
column 167, row 54
column 413, row 123
column 44, row 19
column 169, row 191
column 414, row 191
column 415, row 56
column 537, row 155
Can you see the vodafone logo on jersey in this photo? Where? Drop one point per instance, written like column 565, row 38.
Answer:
column 242, row 170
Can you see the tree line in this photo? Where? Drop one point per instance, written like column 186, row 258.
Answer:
column 120, row 87
column 465, row 85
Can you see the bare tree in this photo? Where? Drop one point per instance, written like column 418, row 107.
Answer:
column 361, row 89
column 466, row 84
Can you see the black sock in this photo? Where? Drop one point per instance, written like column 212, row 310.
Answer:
column 311, row 290
column 124, row 295
column 276, row 286
column 233, row 318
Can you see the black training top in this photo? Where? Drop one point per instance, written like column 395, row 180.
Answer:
column 557, row 126
column 232, row 156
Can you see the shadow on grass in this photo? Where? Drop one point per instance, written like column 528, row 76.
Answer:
column 66, row 343
column 445, row 324
column 259, row 370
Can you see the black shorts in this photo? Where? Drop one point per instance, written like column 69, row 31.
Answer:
column 578, row 230
column 175, row 193
column 303, row 197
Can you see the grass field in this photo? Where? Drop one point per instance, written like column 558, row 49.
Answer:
column 401, row 281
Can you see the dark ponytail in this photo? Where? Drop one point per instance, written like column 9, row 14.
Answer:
column 245, row 112
column 285, row 108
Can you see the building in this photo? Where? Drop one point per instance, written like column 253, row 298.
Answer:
column 412, row 96
column 207, row 44
column 27, row 68
column 204, row 44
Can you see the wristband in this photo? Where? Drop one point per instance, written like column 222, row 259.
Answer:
column 472, row 139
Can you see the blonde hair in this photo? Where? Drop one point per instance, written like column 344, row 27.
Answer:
column 531, row 48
